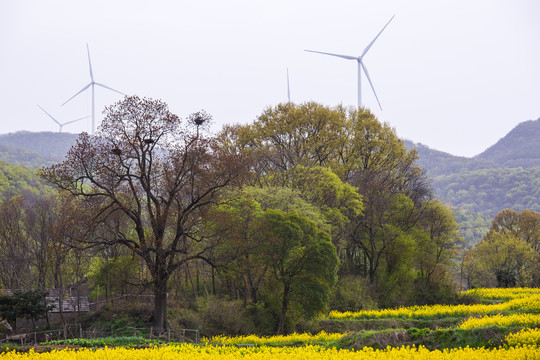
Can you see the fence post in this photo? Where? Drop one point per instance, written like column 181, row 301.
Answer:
column 80, row 331
column 134, row 331
column 169, row 335
column 151, row 332
column 65, row 332
column 35, row 338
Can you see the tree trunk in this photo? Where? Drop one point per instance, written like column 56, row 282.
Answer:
column 371, row 272
column 284, row 304
column 160, row 304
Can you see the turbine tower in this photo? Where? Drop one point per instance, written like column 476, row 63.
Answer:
column 58, row 122
column 361, row 66
column 92, row 83
column 288, row 88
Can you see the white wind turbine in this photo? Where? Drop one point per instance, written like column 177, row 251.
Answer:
column 58, row 122
column 361, row 66
column 92, row 83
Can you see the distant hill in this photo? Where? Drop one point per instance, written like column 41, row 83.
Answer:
column 35, row 149
column 437, row 162
column 506, row 175
column 520, row 147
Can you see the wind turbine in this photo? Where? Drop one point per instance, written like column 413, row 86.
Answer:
column 92, row 83
column 58, row 122
column 288, row 88
column 361, row 66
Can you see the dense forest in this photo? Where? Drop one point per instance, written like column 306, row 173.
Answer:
column 308, row 208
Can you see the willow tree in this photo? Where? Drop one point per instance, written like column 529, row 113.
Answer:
column 157, row 172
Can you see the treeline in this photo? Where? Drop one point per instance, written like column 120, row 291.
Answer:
column 305, row 209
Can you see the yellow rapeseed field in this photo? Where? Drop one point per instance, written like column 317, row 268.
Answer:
column 524, row 337
column 496, row 293
column 280, row 353
column 522, row 299
column 501, row 320
column 275, row 340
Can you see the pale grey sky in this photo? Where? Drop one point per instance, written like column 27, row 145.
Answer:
column 455, row 75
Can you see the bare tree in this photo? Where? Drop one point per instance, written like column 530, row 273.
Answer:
column 160, row 174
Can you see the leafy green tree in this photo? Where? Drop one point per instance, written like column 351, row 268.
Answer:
column 339, row 202
column 441, row 242
column 393, row 188
column 287, row 199
column 288, row 135
column 524, row 225
column 28, row 304
column 241, row 251
column 32, row 304
column 503, row 260
column 303, row 262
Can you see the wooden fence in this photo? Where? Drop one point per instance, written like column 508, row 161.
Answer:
column 76, row 332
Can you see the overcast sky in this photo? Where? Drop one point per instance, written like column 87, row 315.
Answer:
column 455, row 75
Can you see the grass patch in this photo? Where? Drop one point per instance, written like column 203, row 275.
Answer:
column 343, row 326
column 123, row 341
column 490, row 337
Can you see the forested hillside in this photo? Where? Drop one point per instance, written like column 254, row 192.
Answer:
column 507, row 175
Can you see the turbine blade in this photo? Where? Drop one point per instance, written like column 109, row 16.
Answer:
column 56, row 121
column 80, row 91
column 370, row 83
column 72, row 121
column 372, row 41
column 348, row 57
column 106, row 87
column 90, row 63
